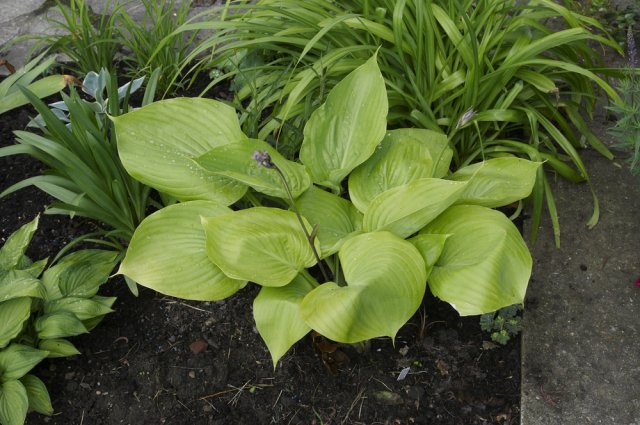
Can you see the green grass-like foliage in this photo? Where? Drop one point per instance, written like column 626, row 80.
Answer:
column 75, row 139
column 40, row 307
column 342, row 241
column 526, row 85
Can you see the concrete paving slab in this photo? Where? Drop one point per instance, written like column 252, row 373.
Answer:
column 581, row 339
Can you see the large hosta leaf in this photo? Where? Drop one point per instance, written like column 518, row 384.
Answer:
column 345, row 130
column 168, row 254
column 404, row 155
column 335, row 217
column 16, row 245
column 406, row 209
column 485, row 264
column 235, row 161
column 385, row 284
column 497, row 182
column 430, row 247
column 263, row 245
column 14, row 403
column 277, row 315
column 156, row 144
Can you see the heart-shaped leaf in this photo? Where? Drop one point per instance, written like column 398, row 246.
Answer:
column 14, row 403
column 235, row 161
column 386, row 280
column 168, row 254
column 156, row 144
column 13, row 313
column 58, row 348
column 405, row 155
column 336, row 218
column 485, row 264
column 17, row 360
column 263, row 245
column 39, row 400
column 497, row 182
column 406, row 209
column 16, row 245
column 345, row 130
column 276, row 312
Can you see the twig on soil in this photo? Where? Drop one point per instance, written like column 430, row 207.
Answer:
column 82, row 417
column 353, row 404
column 277, row 399
column 186, row 305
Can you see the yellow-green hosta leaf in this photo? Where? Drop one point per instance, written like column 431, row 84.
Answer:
column 14, row 403
column 235, row 161
column 39, row 400
column 83, row 308
column 336, row 218
column 13, row 313
column 276, row 312
column 344, row 132
column 386, row 280
column 168, row 254
column 59, row 325
column 156, row 144
column 58, row 347
column 430, row 247
column 19, row 283
column 17, row 360
column 16, row 245
column 497, row 182
column 485, row 264
column 405, row 155
column 406, row 209
column 263, row 245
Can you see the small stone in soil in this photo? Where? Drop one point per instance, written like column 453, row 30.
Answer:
column 192, row 374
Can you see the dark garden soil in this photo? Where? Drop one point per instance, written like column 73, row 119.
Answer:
column 160, row 360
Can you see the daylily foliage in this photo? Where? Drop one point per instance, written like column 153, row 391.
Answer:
column 388, row 217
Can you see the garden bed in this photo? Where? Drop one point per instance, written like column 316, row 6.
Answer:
column 161, row 360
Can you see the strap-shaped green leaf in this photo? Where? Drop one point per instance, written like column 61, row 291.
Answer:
column 16, row 245
column 405, row 155
column 13, row 313
column 386, row 280
column 39, row 400
column 276, row 312
column 485, row 264
column 235, row 161
column 156, row 144
column 406, row 209
column 168, row 254
column 263, row 245
column 345, row 130
column 497, row 182
column 14, row 403
column 17, row 360
column 336, row 218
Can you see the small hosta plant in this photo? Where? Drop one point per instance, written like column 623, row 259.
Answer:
column 39, row 308
column 343, row 241
column 503, row 324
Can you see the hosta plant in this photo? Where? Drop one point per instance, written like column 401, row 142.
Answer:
column 39, row 308
column 343, row 241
